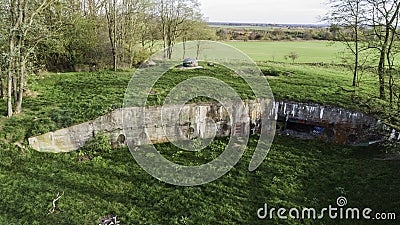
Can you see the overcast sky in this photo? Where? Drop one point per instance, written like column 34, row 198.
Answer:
column 264, row 11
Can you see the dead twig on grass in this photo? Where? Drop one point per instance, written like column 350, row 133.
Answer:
column 54, row 203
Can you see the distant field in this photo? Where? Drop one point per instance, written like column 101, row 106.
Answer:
column 246, row 27
column 307, row 51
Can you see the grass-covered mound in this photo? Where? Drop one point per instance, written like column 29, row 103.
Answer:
column 60, row 100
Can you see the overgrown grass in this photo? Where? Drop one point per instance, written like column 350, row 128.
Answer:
column 296, row 173
column 61, row 100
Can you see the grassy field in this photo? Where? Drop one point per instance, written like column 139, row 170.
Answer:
column 307, row 51
column 97, row 181
column 297, row 173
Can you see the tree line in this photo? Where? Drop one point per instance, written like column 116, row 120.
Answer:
column 370, row 31
column 278, row 34
column 74, row 35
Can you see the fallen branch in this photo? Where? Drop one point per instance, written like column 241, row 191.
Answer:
column 54, row 203
column 109, row 220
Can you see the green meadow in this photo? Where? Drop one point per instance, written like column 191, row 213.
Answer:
column 307, row 51
column 296, row 174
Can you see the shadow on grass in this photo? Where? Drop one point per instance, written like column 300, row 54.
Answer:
column 296, row 174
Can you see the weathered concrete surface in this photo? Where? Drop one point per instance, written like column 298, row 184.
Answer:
column 202, row 120
column 74, row 137
column 331, row 124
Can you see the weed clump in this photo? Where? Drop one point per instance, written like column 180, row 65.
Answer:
column 95, row 147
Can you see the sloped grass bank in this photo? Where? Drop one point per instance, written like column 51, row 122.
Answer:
column 331, row 85
column 296, row 173
column 61, row 100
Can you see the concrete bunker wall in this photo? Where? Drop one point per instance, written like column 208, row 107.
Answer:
column 195, row 121
column 327, row 123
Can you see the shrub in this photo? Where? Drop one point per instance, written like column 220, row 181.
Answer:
column 271, row 72
column 41, row 126
column 96, row 146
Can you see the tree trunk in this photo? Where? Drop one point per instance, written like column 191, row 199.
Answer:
column 381, row 71
column 113, row 50
column 198, row 49
column 390, row 59
column 131, row 55
column 398, row 104
column 115, row 36
column 14, row 83
column 18, row 104
column 111, row 17
column 15, row 11
column 9, row 95
column 184, row 48
column 357, row 47
column 170, row 42
column 10, row 78
column 1, row 84
column 391, row 81
column 355, row 73
column 385, row 48
column 165, row 42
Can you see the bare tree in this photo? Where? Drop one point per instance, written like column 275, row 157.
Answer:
column 22, row 18
column 3, row 48
column 384, row 18
column 347, row 16
column 137, row 28
column 110, row 7
column 393, row 50
column 293, row 56
column 173, row 15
